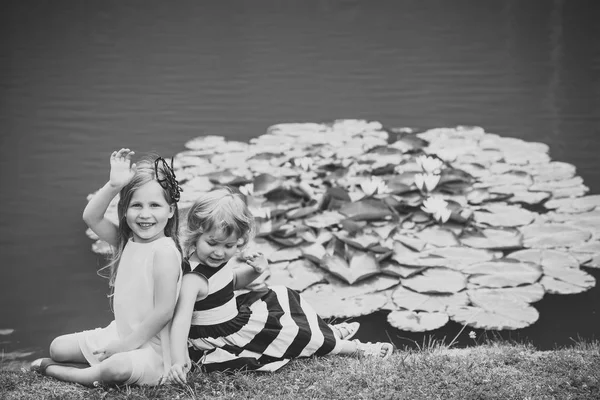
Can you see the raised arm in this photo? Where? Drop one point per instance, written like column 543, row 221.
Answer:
column 121, row 173
column 254, row 265
column 193, row 287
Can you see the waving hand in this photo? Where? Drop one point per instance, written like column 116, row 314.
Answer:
column 121, row 168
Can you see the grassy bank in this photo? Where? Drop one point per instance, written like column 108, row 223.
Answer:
column 494, row 371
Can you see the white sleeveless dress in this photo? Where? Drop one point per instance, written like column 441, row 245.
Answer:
column 133, row 301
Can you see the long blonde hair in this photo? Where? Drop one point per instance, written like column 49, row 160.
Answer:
column 146, row 172
column 221, row 208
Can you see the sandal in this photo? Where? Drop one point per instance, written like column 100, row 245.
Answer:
column 380, row 349
column 345, row 330
column 41, row 364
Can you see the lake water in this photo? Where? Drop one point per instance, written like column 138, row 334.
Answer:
column 80, row 79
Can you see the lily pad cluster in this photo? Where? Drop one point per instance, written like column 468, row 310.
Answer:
column 445, row 224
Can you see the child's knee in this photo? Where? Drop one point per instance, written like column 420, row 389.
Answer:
column 61, row 348
column 116, row 370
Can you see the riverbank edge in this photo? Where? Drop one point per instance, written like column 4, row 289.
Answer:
column 488, row 371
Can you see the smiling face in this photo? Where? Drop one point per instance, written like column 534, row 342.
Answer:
column 148, row 213
column 214, row 247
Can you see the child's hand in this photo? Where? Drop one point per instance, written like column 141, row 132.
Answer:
column 121, row 169
column 109, row 350
column 178, row 373
column 257, row 260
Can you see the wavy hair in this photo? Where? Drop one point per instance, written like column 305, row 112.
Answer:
column 222, row 208
column 146, row 172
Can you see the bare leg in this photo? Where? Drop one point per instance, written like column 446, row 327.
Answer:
column 114, row 370
column 66, row 349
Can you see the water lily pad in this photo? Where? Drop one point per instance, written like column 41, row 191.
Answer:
column 577, row 205
column 493, row 239
column 504, row 272
column 570, row 192
column 502, row 215
column 437, row 236
column 328, row 302
column 437, row 280
column 366, row 209
column 405, row 256
column 324, row 219
column 265, row 183
column 359, row 268
column 302, row 212
column 491, row 314
column 360, row 240
column 510, row 177
column 285, row 254
column 551, row 185
column 552, row 235
column 101, row 247
column 588, row 253
column 526, row 293
column 553, row 171
column 411, row 242
column 383, row 230
column 459, row 257
column 407, row 299
column 297, row 275
column 546, row 258
column 566, row 280
column 203, row 143
column 417, row 321
column 392, row 268
column 528, row 197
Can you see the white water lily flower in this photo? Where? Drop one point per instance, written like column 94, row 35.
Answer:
column 437, row 207
column 374, row 185
column 472, row 335
column 305, row 163
column 247, row 189
column 430, row 165
column 260, row 212
column 427, row 181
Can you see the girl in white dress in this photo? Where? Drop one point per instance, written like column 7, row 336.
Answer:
column 215, row 329
column 145, row 274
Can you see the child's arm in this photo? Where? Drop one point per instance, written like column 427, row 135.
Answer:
column 192, row 288
column 165, row 274
column 121, row 172
column 256, row 264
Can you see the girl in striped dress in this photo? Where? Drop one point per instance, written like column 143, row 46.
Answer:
column 257, row 330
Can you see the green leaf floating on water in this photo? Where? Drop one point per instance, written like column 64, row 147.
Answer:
column 437, row 280
column 546, row 258
column 550, row 235
column 493, row 239
column 417, row 321
column 525, row 293
column 297, row 275
column 576, row 205
column 504, row 272
column 346, row 240
column 367, row 209
column 407, row 299
column 361, row 266
column 502, row 215
column 489, row 312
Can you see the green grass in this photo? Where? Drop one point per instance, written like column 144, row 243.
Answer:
column 490, row 371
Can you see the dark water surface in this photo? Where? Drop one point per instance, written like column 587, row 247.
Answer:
column 79, row 79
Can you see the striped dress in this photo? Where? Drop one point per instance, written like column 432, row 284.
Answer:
column 257, row 330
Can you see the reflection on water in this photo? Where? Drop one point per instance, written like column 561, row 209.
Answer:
column 81, row 79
